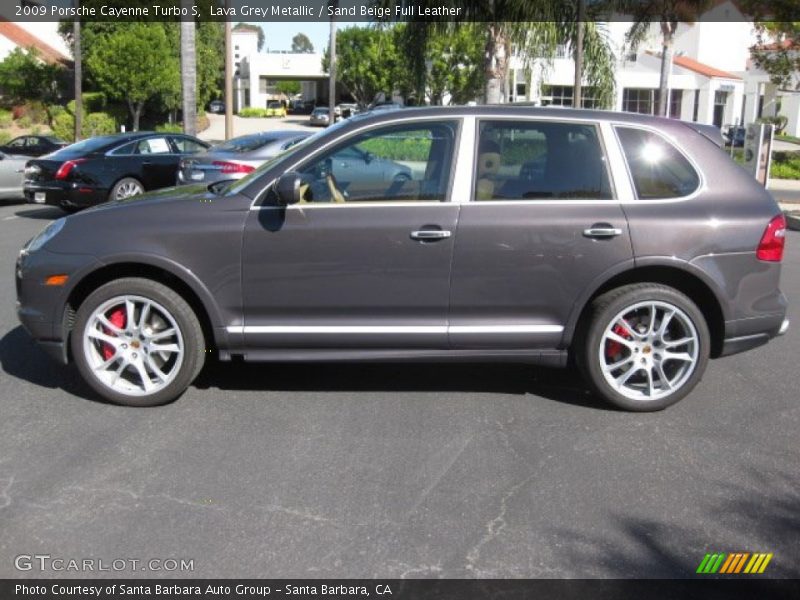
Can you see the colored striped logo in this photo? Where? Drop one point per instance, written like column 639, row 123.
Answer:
column 734, row 563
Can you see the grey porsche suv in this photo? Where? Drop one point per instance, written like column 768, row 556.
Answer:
column 631, row 245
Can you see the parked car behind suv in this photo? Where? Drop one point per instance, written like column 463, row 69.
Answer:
column 237, row 157
column 108, row 167
column 33, row 145
column 631, row 243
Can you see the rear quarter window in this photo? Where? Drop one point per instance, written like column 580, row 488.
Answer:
column 659, row 171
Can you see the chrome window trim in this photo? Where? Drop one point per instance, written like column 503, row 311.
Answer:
column 457, row 118
column 701, row 186
column 110, row 153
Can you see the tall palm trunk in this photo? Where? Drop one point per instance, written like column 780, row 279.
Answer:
column 577, row 91
column 496, row 58
column 78, row 67
column 188, row 70
column 667, row 33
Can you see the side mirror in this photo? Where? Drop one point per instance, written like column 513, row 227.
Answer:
column 287, row 189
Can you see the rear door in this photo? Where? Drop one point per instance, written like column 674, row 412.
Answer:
column 158, row 162
column 542, row 225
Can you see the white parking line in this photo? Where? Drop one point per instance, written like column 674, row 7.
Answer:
column 11, row 217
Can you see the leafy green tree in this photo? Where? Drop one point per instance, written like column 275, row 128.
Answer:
column 778, row 48
column 290, row 88
column 301, row 43
column 248, row 27
column 133, row 64
column 533, row 30
column 25, row 76
column 367, row 62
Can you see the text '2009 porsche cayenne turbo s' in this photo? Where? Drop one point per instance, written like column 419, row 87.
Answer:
column 633, row 244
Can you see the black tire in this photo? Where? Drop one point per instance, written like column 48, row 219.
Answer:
column 604, row 309
column 125, row 181
column 184, row 317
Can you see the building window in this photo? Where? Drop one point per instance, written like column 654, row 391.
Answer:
column 630, row 56
column 562, row 51
column 720, row 102
column 236, row 47
column 696, row 107
column 638, row 100
column 562, row 95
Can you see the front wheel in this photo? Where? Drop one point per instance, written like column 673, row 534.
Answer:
column 644, row 346
column 137, row 343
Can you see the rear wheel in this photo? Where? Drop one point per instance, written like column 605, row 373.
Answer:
column 137, row 343
column 644, row 346
column 125, row 188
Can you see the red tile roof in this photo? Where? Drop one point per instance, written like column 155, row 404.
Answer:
column 698, row 67
column 24, row 39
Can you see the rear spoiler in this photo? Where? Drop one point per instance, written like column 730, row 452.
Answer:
column 710, row 132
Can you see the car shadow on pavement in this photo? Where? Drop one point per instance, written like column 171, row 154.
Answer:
column 45, row 213
column 560, row 385
column 21, row 358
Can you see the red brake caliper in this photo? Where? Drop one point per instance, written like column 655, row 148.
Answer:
column 117, row 319
column 614, row 348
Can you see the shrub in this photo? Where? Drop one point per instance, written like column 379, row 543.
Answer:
column 64, row 126
column 97, row 123
column 19, row 111
column 24, row 122
column 169, row 128
column 93, row 102
column 4, row 136
column 203, row 122
column 5, row 118
column 37, row 113
column 253, row 112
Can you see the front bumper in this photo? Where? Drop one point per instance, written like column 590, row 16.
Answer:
column 42, row 310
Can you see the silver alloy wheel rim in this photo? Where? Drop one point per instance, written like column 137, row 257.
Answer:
column 649, row 351
column 148, row 351
column 128, row 189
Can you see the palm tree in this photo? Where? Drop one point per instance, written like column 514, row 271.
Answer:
column 78, row 72
column 534, row 31
column 188, row 70
column 668, row 13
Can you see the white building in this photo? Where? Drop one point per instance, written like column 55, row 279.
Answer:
column 42, row 36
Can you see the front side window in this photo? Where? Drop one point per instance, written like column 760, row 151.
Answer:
column 394, row 163
column 657, row 168
column 540, row 160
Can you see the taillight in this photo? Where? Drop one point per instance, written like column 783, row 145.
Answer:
column 772, row 242
column 229, row 167
column 65, row 168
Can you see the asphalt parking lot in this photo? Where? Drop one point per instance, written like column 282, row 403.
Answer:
column 396, row 471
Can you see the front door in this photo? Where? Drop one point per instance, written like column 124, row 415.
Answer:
column 363, row 261
column 542, row 226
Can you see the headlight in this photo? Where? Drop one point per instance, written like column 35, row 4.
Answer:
column 47, row 234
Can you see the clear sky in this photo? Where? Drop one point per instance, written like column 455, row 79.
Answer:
column 278, row 36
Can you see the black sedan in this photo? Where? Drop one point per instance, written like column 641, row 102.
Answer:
column 106, row 168
column 33, row 145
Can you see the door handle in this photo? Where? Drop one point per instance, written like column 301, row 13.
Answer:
column 430, row 234
column 602, row 231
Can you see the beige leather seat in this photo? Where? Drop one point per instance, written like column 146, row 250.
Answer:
column 488, row 167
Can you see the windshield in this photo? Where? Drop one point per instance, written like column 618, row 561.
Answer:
column 234, row 187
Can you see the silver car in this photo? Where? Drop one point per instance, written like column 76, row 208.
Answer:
column 12, row 167
column 237, row 157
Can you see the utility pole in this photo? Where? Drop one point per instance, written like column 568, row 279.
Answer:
column 577, row 90
column 188, row 70
column 78, row 72
column 332, row 80
column 228, row 79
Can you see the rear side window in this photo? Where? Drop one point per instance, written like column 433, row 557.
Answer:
column 658, row 169
column 540, row 160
